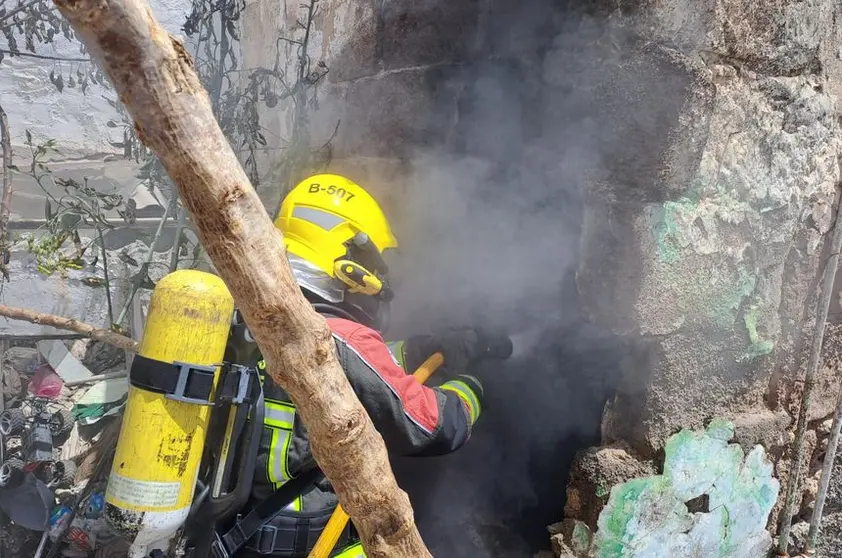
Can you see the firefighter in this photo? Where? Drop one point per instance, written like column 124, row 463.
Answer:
column 337, row 237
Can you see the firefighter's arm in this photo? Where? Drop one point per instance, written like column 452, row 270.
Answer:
column 413, row 419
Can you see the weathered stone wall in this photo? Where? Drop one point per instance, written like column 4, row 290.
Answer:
column 724, row 254
column 703, row 142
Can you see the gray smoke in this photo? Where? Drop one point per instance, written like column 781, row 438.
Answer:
column 490, row 233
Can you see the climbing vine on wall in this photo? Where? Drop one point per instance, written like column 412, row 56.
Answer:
column 237, row 94
column 24, row 26
column 300, row 157
column 69, row 205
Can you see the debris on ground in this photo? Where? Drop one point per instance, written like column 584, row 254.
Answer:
column 60, row 359
column 59, row 422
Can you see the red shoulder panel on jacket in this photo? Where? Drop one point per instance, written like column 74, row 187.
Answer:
column 419, row 402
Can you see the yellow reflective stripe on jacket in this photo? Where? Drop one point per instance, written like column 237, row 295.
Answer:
column 353, row 551
column 280, row 417
column 278, row 450
column 295, row 505
column 466, row 394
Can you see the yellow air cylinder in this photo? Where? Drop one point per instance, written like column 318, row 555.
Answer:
column 161, row 441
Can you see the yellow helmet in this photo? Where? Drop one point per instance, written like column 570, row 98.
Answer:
column 335, row 234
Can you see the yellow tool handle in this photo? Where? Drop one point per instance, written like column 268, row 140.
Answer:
column 330, row 536
column 428, row 368
column 336, row 524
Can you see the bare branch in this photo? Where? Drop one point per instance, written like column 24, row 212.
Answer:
column 14, row 53
column 22, row 8
column 70, row 324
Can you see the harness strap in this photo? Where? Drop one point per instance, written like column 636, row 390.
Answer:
column 227, row 544
column 294, row 534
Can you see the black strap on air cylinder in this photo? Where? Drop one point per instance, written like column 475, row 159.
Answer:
column 180, row 381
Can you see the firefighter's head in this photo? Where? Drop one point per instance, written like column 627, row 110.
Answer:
column 336, row 235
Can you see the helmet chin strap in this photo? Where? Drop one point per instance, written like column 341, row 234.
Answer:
column 330, row 295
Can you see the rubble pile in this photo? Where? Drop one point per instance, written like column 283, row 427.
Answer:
column 61, row 403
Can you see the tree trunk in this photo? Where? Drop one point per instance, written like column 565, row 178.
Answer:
column 154, row 77
column 70, row 324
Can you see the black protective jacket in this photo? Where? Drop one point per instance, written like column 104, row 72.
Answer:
column 413, row 420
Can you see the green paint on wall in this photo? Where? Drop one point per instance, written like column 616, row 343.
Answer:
column 601, row 490
column 648, row 516
column 581, row 538
column 666, row 228
column 757, row 346
column 727, row 297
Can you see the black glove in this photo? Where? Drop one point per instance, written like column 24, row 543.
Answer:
column 460, row 347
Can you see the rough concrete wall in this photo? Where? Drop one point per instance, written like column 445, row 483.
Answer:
column 708, row 145
column 713, row 269
column 76, row 120
column 393, row 84
column 724, row 255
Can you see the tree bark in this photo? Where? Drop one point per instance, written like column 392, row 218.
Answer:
column 70, row 324
column 154, row 77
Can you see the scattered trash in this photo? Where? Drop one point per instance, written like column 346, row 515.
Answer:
column 86, row 415
column 62, row 361
column 96, row 504
column 58, row 519
column 103, row 399
column 23, row 360
column 28, row 504
column 106, row 391
column 83, row 532
column 38, row 431
column 45, row 383
column 97, row 378
column 40, row 483
column 13, row 387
